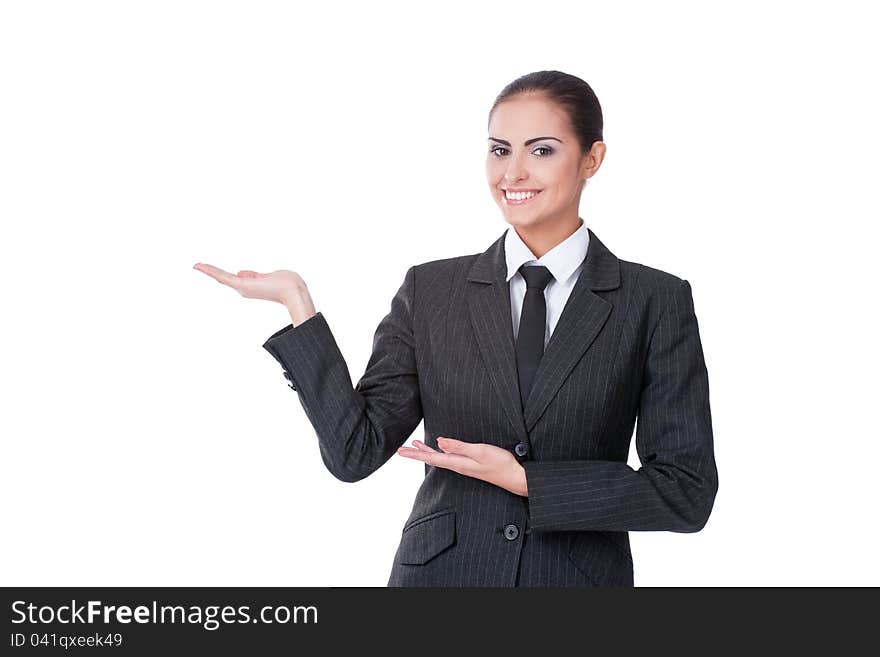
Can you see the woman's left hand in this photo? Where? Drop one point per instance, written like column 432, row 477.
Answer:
column 479, row 460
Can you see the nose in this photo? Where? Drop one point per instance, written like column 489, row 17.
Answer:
column 516, row 171
column 514, row 175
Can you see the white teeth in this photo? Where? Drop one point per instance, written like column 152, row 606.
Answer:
column 519, row 196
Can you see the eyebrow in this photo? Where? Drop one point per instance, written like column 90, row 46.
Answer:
column 525, row 143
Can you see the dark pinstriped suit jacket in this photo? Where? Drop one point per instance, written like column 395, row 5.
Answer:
column 627, row 344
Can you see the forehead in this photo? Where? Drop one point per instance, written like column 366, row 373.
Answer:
column 528, row 115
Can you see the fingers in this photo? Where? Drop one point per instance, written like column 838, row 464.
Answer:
column 421, row 452
column 420, row 447
column 452, row 446
column 217, row 274
column 488, row 463
column 243, row 282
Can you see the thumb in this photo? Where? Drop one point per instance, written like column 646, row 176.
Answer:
column 454, row 446
column 247, row 273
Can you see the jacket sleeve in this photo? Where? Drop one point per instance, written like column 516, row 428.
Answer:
column 675, row 487
column 358, row 428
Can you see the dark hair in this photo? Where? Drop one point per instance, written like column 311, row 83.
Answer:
column 571, row 93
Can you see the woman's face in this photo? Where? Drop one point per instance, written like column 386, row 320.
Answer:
column 533, row 149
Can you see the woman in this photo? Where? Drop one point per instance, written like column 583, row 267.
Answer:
column 529, row 363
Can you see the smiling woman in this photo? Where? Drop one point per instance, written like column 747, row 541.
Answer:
column 537, row 179
column 529, row 363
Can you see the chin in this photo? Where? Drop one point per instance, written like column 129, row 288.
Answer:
column 531, row 220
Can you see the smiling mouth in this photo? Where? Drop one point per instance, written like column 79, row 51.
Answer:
column 520, row 199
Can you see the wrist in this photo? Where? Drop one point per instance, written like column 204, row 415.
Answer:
column 523, row 488
column 300, row 306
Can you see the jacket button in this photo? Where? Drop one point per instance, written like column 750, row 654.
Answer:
column 511, row 531
column 521, row 449
column 286, row 375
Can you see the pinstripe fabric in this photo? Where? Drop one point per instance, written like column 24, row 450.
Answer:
column 627, row 345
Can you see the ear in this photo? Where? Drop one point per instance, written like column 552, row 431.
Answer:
column 592, row 160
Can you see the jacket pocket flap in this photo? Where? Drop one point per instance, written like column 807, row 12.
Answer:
column 600, row 559
column 426, row 537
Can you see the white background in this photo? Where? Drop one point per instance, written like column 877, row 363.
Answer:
column 147, row 437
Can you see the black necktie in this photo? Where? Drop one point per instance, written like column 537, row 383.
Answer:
column 532, row 325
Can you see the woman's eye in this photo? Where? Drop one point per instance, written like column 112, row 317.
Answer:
column 496, row 150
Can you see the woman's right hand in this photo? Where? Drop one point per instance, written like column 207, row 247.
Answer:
column 282, row 286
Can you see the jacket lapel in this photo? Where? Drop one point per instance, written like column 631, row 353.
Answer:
column 489, row 306
column 584, row 315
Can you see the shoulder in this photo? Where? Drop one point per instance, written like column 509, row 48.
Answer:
column 437, row 283
column 444, row 269
column 438, row 266
column 650, row 276
column 653, row 289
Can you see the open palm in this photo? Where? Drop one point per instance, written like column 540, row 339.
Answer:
column 276, row 286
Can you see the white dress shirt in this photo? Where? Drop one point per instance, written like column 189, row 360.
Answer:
column 565, row 261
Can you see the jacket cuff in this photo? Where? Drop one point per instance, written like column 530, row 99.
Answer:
column 293, row 346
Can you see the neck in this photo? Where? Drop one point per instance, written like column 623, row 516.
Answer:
column 542, row 237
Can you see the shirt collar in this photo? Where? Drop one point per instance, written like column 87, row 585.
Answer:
column 562, row 260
